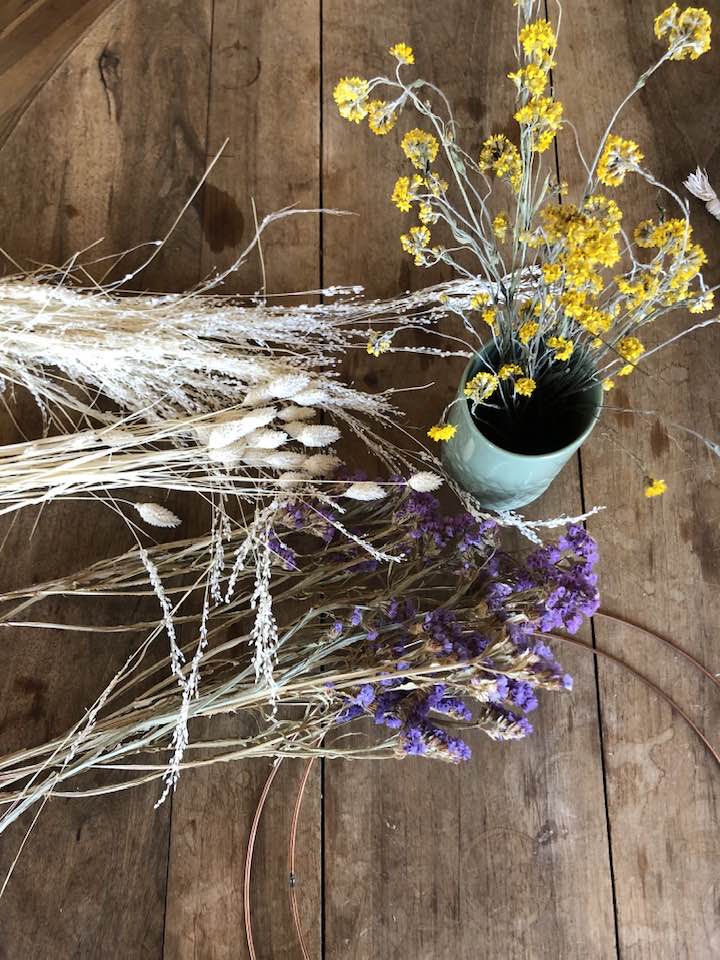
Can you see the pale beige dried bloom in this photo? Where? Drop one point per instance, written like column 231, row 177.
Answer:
column 321, row 464
column 365, row 490
column 424, row 482
column 297, row 413
column 157, row 515
column 267, row 439
column 698, row 184
column 292, row 478
column 317, row 435
column 232, row 430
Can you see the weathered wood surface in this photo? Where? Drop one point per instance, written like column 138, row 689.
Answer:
column 518, row 853
column 659, row 558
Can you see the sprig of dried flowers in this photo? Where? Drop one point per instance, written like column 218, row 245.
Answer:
column 440, row 643
column 535, row 268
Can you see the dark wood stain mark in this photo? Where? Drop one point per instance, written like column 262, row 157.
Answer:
column 109, row 67
column 704, row 540
column 659, row 442
column 223, row 223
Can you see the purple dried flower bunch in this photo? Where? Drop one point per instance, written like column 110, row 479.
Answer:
column 442, row 641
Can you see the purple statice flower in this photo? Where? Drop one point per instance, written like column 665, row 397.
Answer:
column 522, row 695
column 282, row 552
column 356, row 617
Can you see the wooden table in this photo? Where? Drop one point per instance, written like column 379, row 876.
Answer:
column 597, row 837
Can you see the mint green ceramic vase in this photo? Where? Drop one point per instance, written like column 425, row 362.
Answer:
column 502, row 479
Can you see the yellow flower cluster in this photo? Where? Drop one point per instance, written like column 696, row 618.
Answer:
column 500, row 226
column 531, row 78
column 381, row 117
column 687, row 34
column 420, row 148
column 416, row 243
column 481, row 387
column 543, row 118
column 538, row 41
column 672, row 238
column 350, row 95
column 630, row 349
column 618, row 158
column 655, row 488
column 562, row 346
column 580, row 240
column 525, row 386
column 378, row 343
column 502, row 157
column 527, row 331
column 403, row 52
column 441, row 432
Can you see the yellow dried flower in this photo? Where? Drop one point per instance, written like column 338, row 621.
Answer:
column 525, row 386
column 426, row 214
column 538, row 42
column 420, row 148
column 543, row 117
column 479, row 300
column 527, row 331
column 687, row 34
column 403, row 52
column 490, row 316
column 502, row 157
column 531, row 78
column 500, row 226
column 630, row 349
column 562, row 346
column 435, row 184
column 618, row 158
column 509, row 370
column 552, row 272
column 704, row 302
column 607, row 384
column 381, row 117
column 378, row 343
column 441, row 432
column 415, row 243
column 655, row 488
column 350, row 95
column 482, row 386
column 401, row 195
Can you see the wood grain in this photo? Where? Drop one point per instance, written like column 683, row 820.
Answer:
column 273, row 157
column 35, row 36
column 660, row 558
column 509, row 854
column 106, row 149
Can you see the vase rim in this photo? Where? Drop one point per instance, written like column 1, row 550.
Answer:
column 567, row 448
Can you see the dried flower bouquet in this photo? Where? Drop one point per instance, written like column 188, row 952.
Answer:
column 555, row 294
column 446, row 638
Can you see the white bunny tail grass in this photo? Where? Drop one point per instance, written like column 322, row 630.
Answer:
column 698, row 184
column 157, row 515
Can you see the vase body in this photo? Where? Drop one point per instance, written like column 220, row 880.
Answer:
column 501, row 479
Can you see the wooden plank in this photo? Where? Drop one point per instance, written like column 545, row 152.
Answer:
column 660, row 557
column 273, row 156
column 35, row 36
column 508, row 855
column 106, row 149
